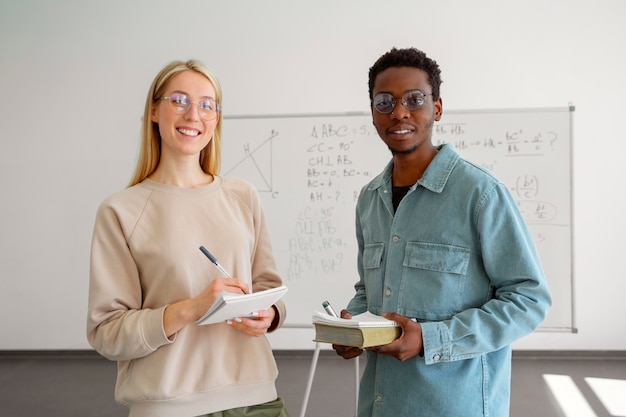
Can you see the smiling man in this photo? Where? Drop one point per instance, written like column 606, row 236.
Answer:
column 443, row 251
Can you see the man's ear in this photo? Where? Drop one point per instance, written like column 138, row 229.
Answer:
column 438, row 109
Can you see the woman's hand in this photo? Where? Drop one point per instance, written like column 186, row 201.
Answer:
column 254, row 326
column 179, row 314
column 212, row 292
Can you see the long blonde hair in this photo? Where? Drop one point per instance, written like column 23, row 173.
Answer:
column 150, row 151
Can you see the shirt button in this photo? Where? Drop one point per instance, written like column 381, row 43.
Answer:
column 379, row 398
column 387, row 292
column 437, row 357
column 396, row 239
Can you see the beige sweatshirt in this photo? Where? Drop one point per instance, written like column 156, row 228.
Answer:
column 145, row 255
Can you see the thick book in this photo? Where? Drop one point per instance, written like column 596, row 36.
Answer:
column 229, row 305
column 362, row 330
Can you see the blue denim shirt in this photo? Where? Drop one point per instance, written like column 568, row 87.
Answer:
column 457, row 257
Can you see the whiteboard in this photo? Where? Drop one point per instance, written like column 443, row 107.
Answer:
column 309, row 170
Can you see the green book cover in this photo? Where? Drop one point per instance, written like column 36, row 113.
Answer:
column 361, row 337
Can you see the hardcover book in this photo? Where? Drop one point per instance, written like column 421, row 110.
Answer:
column 362, row 330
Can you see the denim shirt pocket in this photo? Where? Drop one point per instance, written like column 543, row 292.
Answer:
column 433, row 280
column 372, row 261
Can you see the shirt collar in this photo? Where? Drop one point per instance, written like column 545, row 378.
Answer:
column 436, row 175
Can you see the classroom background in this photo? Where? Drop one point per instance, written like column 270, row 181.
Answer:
column 74, row 76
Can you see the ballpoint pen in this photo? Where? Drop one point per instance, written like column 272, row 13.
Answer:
column 214, row 261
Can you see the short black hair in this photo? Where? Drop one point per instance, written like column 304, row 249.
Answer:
column 409, row 57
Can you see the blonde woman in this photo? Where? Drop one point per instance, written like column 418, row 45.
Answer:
column 149, row 283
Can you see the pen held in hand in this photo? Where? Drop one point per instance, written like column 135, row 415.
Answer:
column 329, row 309
column 214, row 261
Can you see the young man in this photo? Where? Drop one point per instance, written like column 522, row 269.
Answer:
column 444, row 252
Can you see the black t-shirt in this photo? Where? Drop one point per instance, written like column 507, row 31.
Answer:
column 398, row 194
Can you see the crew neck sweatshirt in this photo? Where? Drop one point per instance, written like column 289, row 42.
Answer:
column 145, row 255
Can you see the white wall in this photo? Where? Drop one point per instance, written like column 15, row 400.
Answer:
column 73, row 79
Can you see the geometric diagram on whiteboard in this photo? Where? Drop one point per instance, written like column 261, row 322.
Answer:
column 256, row 165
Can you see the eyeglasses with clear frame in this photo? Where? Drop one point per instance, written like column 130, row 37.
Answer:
column 411, row 100
column 179, row 103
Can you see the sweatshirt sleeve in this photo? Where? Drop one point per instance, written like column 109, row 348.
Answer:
column 117, row 326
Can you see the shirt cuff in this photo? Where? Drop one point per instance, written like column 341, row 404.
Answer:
column 436, row 342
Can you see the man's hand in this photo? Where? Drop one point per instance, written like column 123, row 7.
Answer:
column 347, row 352
column 410, row 342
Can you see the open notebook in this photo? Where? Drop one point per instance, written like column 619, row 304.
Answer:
column 230, row 305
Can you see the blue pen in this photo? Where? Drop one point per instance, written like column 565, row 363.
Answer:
column 214, row 261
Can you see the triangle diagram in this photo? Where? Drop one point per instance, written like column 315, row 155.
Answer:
column 256, row 166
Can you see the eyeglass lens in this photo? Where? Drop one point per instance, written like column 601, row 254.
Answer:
column 180, row 104
column 412, row 100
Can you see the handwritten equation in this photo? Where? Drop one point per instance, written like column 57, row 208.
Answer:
column 526, row 177
column 316, row 245
column 516, row 142
column 333, row 162
column 335, row 173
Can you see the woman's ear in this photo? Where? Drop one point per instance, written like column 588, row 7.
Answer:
column 153, row 114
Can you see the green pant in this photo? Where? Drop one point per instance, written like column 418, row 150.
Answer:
column 274, row 408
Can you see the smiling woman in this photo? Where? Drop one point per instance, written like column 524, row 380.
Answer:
column 149, row 284
column 174, row 85
column 186, row 117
